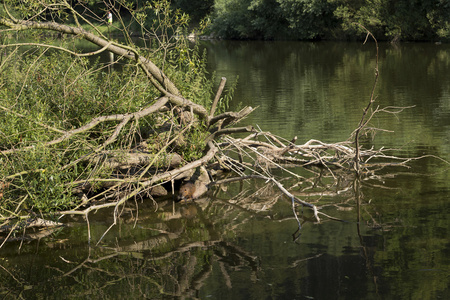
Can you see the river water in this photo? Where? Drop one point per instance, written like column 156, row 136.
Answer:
column 240, row 242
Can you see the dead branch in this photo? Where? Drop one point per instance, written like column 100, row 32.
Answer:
column 143, row 185
column 123, row 118
column 217, row 98
column 363, row 122
column 231, row 118
column 126, row 159
column 155, row 75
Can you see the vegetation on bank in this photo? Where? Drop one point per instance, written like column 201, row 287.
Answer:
column 46, row 92
column 393, row 20
column 331, row 19
column 403, row 20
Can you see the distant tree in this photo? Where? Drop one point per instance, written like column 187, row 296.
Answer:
column 438, row 14
column 271, row 19
column 309, row 19
column 232, row 19
column 196, row 9
column 397, row 20
column 317, row 19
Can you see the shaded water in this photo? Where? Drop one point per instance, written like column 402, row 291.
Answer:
column 238, row 242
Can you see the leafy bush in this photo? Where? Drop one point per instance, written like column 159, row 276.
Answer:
column 46, row 92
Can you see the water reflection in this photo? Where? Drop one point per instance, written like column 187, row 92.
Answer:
column 318, row 89
column 237, row 243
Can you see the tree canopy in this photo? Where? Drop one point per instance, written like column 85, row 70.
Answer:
column 407, row 20
column 332, row 19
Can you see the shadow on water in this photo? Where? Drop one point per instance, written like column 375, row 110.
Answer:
column 241, row 242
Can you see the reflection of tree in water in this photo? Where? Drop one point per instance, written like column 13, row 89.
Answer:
column 181, row 250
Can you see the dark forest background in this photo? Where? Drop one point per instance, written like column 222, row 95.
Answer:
column 394, row 20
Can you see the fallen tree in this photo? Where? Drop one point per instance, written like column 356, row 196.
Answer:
column 105, row 160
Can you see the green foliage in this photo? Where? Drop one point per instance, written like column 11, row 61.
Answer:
column 395, row 20
column 272, row 19
column 193, row 148
column 44, row 186
column 317, row 19
column 63, row 93
column 60, row 92
column 308, row 19
column 232, row 19
column 439, row 18
column 249, row 19
column 45, row 91
column 196, row 9
column 170, row 48
column 190, row 75
column 266, row 19
column 38, row 9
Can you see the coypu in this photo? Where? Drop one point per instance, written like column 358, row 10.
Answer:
column 195, row 187
column 187, row 191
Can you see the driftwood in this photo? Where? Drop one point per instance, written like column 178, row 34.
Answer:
column 42, row 228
